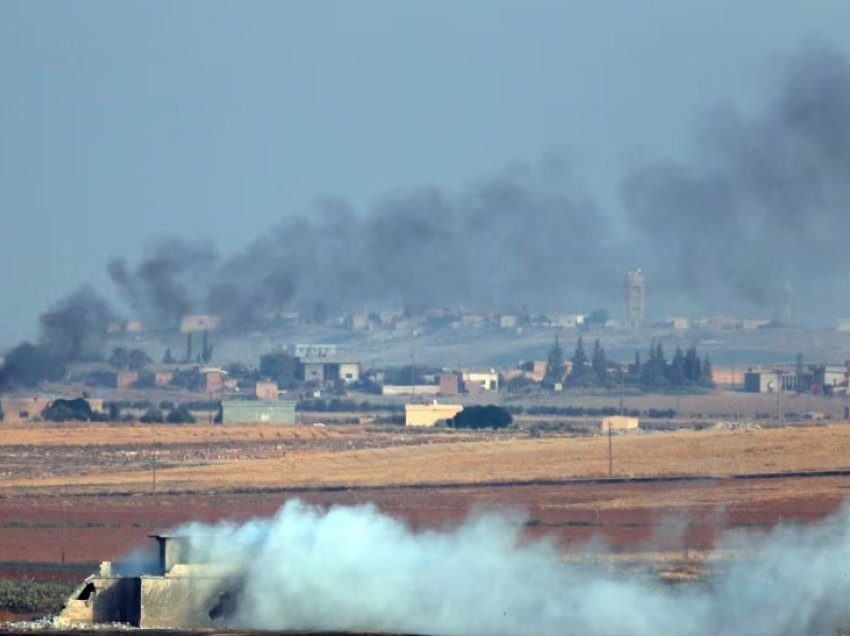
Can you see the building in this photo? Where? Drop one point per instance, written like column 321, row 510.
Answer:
column 257, row 412
column 449, row 384
column 635, row 298
column 429, row 414
column 266, row 390
column 170, row 593
column 124, row 379
column 769, row 381
column 196, row 323
column 213, row 379
column 18, row 410
column 323, row 364
column 478, row 381
column 843, row 325
column 408, row 389
column 619, row 423
column 163, row 378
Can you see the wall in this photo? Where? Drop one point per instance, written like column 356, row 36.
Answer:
column 429, row 414
column 251, row 412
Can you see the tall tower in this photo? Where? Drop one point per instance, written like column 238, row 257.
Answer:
column 635, row 298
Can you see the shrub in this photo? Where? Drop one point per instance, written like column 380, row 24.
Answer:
column 489, row 416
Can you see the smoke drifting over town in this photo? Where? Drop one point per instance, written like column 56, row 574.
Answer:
column 518, row 239
column 761, row 213
column 765, row 206
column 354, row 568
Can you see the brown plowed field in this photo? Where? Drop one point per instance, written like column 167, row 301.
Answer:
column 86, row 494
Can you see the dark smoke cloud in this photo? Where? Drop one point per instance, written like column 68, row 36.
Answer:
column 765, row 204
column 762, row 209
column 73, row 330
column 523, row 238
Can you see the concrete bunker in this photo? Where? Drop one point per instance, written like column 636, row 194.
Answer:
column 171, row 592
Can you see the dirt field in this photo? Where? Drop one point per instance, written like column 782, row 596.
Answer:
column 73, row 496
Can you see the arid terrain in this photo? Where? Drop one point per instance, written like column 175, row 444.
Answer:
column 74, row 495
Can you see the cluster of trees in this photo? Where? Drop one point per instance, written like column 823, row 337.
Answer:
column 129, row 359
column 584, row 371
column 478, row 417
column 685, row 369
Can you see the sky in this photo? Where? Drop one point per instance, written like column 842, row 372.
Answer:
column 125, row 122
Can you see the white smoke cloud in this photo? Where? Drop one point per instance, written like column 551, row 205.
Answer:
column 355, row 568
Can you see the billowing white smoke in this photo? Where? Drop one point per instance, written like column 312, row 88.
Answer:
column 356, row 568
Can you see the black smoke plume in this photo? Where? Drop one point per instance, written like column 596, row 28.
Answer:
column 73, row 330
column 525, row 237
column 765, row 205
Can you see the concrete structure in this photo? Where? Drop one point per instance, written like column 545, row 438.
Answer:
column 769, row 381
column 123, row 379
column 508, row 321
column 843, row 325
column 449, row 384
column 635, row 298
column 832, row 379
column 171, row 593
column 477, row 381
column 406, row 389
column 194, row 323
column 266, row 390
column 163, row 378
column 323, row 364
column 213, row 379
column 429, row 414
column 619, row 423
column 17, row 410
column 257, row 412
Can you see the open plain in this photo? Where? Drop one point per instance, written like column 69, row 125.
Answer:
column 74, row 495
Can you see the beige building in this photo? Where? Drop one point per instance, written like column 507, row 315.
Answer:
column 429, row 414
column 23, row 409
column 266, row 390
column 619, row 423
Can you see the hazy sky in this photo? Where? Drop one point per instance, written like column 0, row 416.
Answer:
column 121, row 122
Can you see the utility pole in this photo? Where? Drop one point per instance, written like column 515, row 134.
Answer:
column 153, row 467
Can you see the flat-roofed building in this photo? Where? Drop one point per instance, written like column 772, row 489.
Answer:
column 619, row 423
column 257, row 412
column 429, row 414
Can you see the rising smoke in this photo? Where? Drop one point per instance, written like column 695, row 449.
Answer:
column 73, row 330
column 766, row 203
column 522, row 238
column 763, row 208
column 355, row 568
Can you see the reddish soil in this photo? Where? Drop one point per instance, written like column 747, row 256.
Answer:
column 36, row 532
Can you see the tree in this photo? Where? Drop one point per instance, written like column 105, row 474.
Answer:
column 554, row 365
column 188, row 356
column 206, row 349
column 582, row 372
column 693, row 367
column 168, row 358
column 137, row 360
column 66, row 410
column 180, row 415
column 706, row 379
column 489, row 416
column 677, row 368
column 279, row 366
column 119, row 358
column 599, row 364
column 152, row 416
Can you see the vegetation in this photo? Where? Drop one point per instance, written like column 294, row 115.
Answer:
column 554, row 365
column 69, row 410
column 180, row 415
column 32, row 596
column 410, row 374
column 280, row 367
column 132, row 359
column 477, row 417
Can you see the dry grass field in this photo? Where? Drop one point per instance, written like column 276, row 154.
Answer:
column 120, row 459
